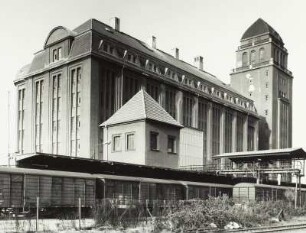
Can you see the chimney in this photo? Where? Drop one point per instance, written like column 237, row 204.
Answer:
column 176, row 53
column 153, row 42
column 117, row 24
column 198, row 61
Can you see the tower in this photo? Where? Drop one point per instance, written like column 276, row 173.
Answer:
column 261, row 74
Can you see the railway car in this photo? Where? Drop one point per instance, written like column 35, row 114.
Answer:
column 60, row 191
column 126, row 189
column 264, row 192
column 19, row 189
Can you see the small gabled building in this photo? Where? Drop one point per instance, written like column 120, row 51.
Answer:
column 142, row 132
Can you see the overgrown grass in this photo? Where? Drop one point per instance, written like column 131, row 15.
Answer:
column 195, row 214
column 180, row 216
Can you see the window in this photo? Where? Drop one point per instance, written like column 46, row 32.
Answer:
column 228, row 131
column 59, row 53
column 39, row 88
column 55, row 55
column 130, row 141
column 245, row 59
column 171, row 144
column 216, row 112
column 251, row 138
column 75, row 111
column 267, row 97
column 116, row 143
column 21, row 123
column 253, row 56
column 187, row 109
column 154, row 141
column 56, row 112
column 267, row 84
column 266, row 112
column 261, row 54
column 239, row 132
column 170, row 101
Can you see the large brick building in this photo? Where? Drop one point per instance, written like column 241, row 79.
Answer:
column 82, row 77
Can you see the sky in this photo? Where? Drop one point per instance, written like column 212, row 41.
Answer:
column 210, row 28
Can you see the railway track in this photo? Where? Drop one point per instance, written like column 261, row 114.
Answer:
column 255, row 229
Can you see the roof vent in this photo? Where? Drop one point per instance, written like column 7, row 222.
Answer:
column 153, row 42
column 198, row 61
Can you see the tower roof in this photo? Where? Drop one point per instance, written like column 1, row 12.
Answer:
column 141, row 107
column 261, row 27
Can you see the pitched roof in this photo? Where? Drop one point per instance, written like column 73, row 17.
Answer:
column 261, row 27
column 141, row 107
column 106, row 30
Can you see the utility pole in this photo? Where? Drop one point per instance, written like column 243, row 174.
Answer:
column 8, row 128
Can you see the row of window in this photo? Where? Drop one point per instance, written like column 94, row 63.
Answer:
column 250, row 59
column 155, row 142
column 130, row 142
column 181, row 78
column 55, row 115
column 129, row 145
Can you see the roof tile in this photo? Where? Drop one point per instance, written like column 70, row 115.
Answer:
column 141, row 107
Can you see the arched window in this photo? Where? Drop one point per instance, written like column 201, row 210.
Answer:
column 253, row 57
column 245, row 59
column 261, row 54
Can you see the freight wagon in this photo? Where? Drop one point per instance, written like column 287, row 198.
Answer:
column 19, row 189
column 264, row 192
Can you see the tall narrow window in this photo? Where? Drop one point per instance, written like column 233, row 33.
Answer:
column 216, row 130
column 251, row 142
column 154, row 141
column 245, row 59
column 171, row 144
column 56, row 113
column 107, row 94
column 21, row 123
column 170, row 101
column 253, row 57
column 55, row 56
column 239, row 132
column 59, row 50
column 228, row 131
column 261, row 54
column 153, row 90
column 131, row 87
column 38, row 115
column 116, row 143
column 187, row 109
column 130, row 141
column 202, row 121
column 75, row 112
column 284, row 124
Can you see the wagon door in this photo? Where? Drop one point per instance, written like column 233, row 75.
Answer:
column 16, row 190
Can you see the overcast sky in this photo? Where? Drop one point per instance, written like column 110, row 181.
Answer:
column 209, row 28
